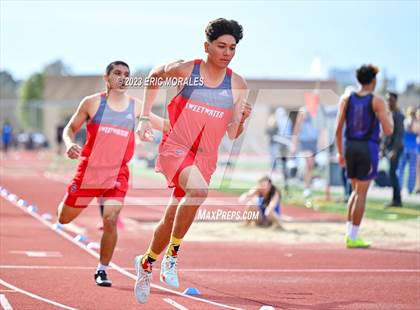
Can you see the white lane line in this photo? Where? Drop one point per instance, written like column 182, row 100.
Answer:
column 338, row 270
column 48, row 301
column 175, row 304
column 306, row 270
column 47, row 267
column 41, row 254
column 113, row 265
column 5, row 303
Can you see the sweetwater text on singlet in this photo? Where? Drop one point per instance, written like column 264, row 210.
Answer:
column 200, row 109
column 116, row 131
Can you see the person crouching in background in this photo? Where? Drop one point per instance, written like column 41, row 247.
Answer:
column 264, row 198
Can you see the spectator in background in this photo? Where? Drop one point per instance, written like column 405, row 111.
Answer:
column 284, row 133
column 306, row 133
column 59, row 138
column 409, row 155
column 394, row 148
column 6, row 135
column 418, row 154
column 264, row 198
column 271, row 131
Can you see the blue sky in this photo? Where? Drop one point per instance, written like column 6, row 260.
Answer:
column 281, row 38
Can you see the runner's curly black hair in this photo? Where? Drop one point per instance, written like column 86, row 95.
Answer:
column 222, row 26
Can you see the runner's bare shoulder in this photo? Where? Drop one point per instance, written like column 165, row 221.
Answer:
column 90, row 104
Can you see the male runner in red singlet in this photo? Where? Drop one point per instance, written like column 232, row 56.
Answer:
column 103, row 172
column 210, row 105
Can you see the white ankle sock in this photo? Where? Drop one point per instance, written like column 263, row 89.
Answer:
column 101, row 267
column 354, row 232
column 348, row 228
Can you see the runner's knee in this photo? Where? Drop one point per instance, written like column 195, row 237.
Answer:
column 110, row 221
column 197, row 195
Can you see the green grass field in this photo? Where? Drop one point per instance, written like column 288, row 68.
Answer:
column 374, row 209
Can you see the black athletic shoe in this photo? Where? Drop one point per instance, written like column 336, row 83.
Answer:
column 101, row 279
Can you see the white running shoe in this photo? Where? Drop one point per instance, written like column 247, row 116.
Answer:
column 144, row 275
column 168, row 273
